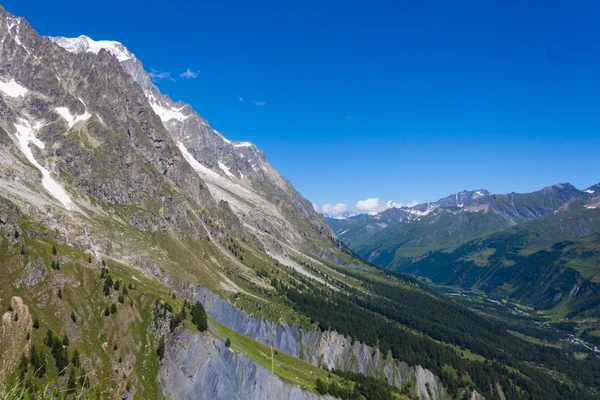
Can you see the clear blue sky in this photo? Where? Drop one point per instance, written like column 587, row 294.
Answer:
column 399, row 100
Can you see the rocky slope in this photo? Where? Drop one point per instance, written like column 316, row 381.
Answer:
column 326, row 349
column 207, row 369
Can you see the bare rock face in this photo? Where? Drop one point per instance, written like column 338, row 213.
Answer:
column 282, row 336
column 35, row 272
column 197, row 366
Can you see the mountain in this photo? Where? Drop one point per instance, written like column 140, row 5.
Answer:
column 143, row 255
column 550, row 263
column 398, row 235
column 236, row 172
column 538, row 249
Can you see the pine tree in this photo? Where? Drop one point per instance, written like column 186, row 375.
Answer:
column 36, row 323
column 37, row 361
column 321, row 386
column 73, row 316
column 199, row 317
column 59, row 293
column 54, row 252
column 160, row 351
column 49, row 338
column 228, row 342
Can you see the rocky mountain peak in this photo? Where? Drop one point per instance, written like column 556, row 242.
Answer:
column 235, row 171
column 464, row 198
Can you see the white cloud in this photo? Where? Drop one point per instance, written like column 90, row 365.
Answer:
column 375, row 205
column 334, row 210
column 241, row 99
column 158, row 75
column 189, row 74
column 259, row 103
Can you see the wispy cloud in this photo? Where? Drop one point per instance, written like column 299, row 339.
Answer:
column 348, row 116
column 156, row 75
column 333, row 210
column 259, row 103
column 241, row 99
column 375, row 205
column 189, row 74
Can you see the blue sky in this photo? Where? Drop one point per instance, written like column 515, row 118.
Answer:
column 394, row 100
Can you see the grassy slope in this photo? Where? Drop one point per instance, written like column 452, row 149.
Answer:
column 94, row 335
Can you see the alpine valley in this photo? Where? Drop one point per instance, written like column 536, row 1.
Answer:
column 144, row 255
column 536, row 252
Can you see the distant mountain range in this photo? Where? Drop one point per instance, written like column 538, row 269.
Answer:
column 541, row 247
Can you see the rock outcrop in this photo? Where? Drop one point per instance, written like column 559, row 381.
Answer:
column 198, row 366
column 14, row 326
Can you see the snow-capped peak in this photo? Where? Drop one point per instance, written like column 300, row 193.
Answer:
column 242, row 144
column 84, row 44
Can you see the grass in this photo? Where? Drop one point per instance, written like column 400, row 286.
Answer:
column 534, row 340
column 93, row 335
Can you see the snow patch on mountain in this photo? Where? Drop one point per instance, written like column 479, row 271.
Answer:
column 242, row 144
column 26, row 135
column 430, row 208
column 12, row 88
column 226, row 170
column 166, row 113
column 194, row 163
column 589, row 191
column 70, row 118
column 84, row 44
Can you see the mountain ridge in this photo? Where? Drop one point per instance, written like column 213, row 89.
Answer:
column 449, row 222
